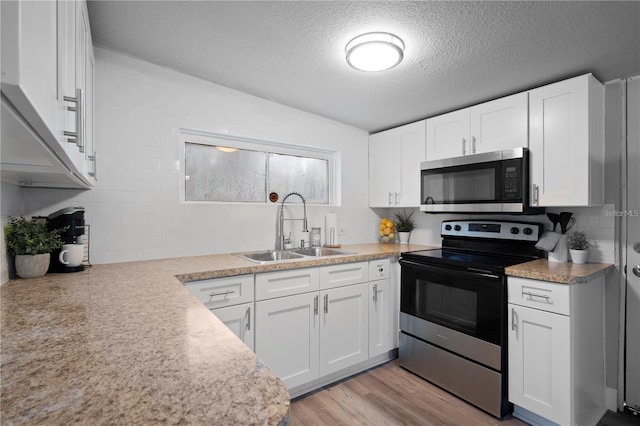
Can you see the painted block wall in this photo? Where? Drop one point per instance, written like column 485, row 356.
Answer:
column 134, row 211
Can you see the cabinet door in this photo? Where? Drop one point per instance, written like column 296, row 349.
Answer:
column 500, row 124
column 240, row 320
column 379, row 317
column 412, row 153
column 30, row 65
column 448, row 135
column 560, row 144
column 539, row 363
column 383, row 162
column 287, row 337
column 344, row 331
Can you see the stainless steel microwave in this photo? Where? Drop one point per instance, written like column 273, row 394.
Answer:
column 492, row 182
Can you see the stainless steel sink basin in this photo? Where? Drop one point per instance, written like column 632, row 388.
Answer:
column 269, row 255
column 321, row 251
column 265, row 256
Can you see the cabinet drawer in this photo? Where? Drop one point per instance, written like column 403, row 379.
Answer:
column 286, row 283
column 379, row 269
column 344, row 274
column 546, row 296
column 220, row 292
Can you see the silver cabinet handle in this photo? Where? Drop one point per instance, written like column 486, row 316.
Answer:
column 514, row 321
column 464, row 146
column 536, row 194
column 248, row 318
column 315, row 305
column 396, row 198
column 94, row 173
column 222, row 293
column 326, row 303
column 532, row 295
column 375, row 292
column 76, row 137
column 473, row 144
column 390, row 198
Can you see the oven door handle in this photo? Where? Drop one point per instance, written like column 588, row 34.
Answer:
column 475, row 272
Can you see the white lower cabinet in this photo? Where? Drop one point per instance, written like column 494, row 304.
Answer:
column 316, row 337
column 556, row 351
column 288, row 337
column 381, row 315
column 344, row 327
column 240, row 320
column 231, row 300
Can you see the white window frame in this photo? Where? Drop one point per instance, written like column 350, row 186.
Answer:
column 215, row 139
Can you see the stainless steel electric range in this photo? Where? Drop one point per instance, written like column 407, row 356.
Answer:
column 453, row 308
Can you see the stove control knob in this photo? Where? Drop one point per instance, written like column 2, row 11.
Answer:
column 447, row 227
column 527, row 231
column 457, row 228
column 515, row 230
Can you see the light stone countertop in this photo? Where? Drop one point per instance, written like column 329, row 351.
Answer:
column 127, row 344
column 558, row 272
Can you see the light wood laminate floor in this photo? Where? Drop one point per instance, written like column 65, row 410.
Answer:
column 387, row 395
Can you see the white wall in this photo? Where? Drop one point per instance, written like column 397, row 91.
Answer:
column 134, row 211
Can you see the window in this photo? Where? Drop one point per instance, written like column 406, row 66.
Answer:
column 221, row 168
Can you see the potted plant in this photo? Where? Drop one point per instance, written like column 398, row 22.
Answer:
column 31, row 242
column 404, row 224
column 578, row 247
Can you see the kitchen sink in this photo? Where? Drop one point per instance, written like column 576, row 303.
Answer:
column 265, row 256
column 269, row 255
column 321, row 251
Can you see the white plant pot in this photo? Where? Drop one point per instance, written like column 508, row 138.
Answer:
column 32, row 266
column 404, row 237
column 579, row 256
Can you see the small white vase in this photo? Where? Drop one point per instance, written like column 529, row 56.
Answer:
column 32, row 266
column 404, row 237
column 579, row 256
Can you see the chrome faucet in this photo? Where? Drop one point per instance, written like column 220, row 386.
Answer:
column 281, row 239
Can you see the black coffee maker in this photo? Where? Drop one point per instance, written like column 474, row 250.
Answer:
column 73, row 219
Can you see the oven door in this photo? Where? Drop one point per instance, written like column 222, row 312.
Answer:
column 472, row 303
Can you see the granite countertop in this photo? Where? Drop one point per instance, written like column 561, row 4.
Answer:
column 127, row 344
column 559, row 272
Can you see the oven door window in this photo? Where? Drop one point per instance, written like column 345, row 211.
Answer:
column 466, row 302
column 463, row 184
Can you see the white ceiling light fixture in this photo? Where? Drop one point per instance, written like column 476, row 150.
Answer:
column 375, row 51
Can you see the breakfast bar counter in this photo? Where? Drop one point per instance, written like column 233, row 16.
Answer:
column 127, row 344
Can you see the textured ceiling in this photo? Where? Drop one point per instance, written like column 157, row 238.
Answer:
column 457, row 53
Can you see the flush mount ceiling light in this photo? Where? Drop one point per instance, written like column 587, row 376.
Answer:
column 375, row 51
column 226, row 149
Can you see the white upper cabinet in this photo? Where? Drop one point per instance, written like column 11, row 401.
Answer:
column 46, row 46
column 500, row 124
column 394, row 166
column 567, row 143
column 447, row 135
column 491, row 126
column 30, row 63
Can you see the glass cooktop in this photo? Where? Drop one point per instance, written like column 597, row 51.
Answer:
column 465, row 259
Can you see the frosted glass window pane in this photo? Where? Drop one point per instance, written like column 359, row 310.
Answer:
column 307, row 176
column 215, row 175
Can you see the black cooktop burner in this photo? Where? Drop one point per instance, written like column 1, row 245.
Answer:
column 465, row 259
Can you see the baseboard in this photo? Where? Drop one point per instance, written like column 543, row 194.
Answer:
column 530, row 417
column 611, row 399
